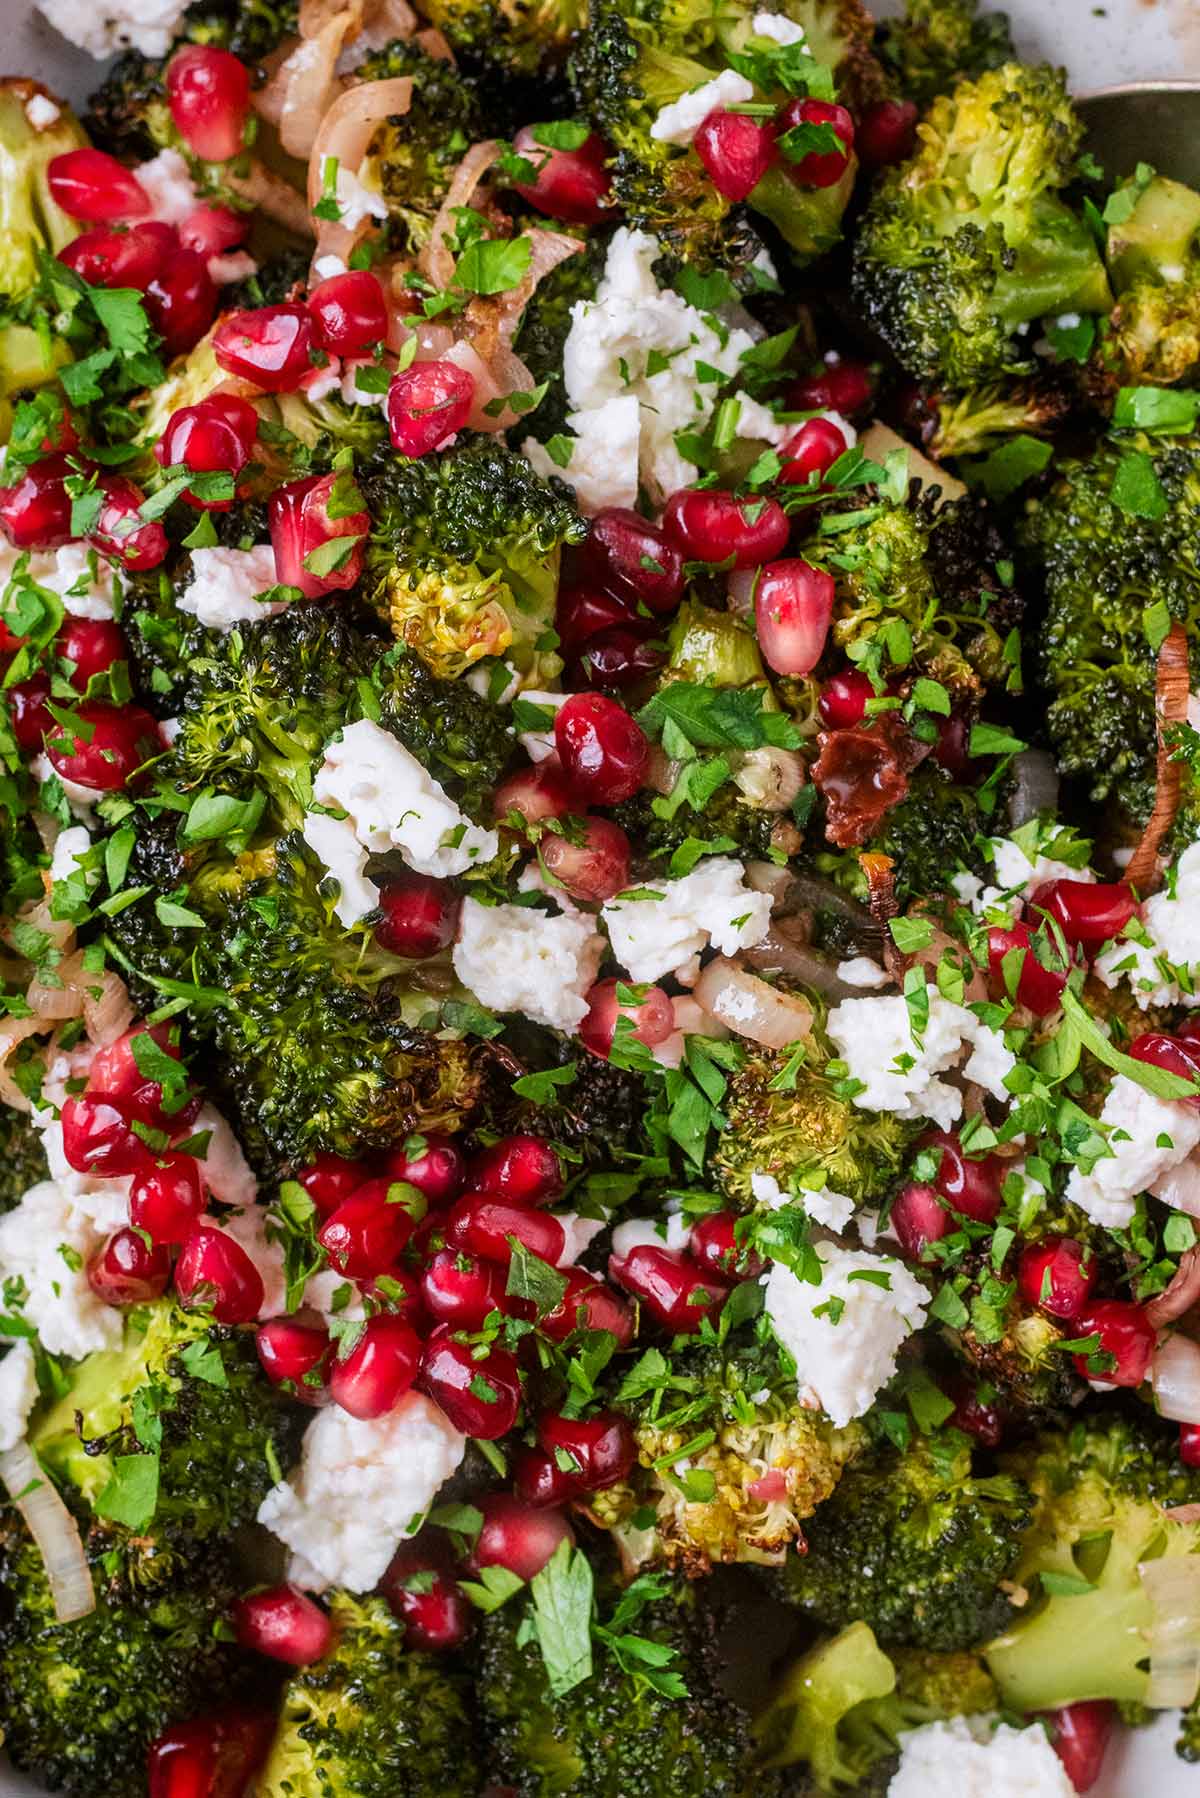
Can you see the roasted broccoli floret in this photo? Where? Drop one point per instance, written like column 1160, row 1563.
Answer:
column 938, row 42
column 914, row 1545
column 24, row 1158
column 1017, row 1352
column 970, row 239
column 928, row 836
column 972, row 423
column 1154, row 263
column 1101, row 1489
column 511, row 39
column 278, row 278
column 371, row 1720
column 412, row 158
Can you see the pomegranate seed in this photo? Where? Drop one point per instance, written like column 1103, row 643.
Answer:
column 126, row 1270
column 1038, row 987
column 677, row 1292
column 483, row 1226
column 1178, row 1054
column 618, row 658
column 1189, row 1030
column 1090, row 913
column 181, row 302
column 118, row 531
column 291, row 1352
column 299, row 520
column 114, row 1074
column 167, row 1198
column 652, row 1018
column 951, row 751
column 713, row 1245
column 538, row 1479
column 887, row 133
column 793, row 609
column 350, row 312
column 28, row 713
column 111, row 257
column 428, row 404
column 420, row 915
column 479, row 1390
column 588, row 1304
column 285, row 1624
column 1126, row 1334
column 1079, row 1735
column 736, row 151
column 214, row 1273
column 209, row 1757
column 209, row 438
column 369, row 1229
column 711, row 526
column 812, row 451
column 271, row 346
column 1057, row 1276
column 35, row 512
column 208, row 92
column 843, row 701
column 843, row 386
column 122, row 739
column 918, row 1218
column 603, row 751
column 820, row 168
column 569, row 185
column 628, row 555
column 516, row 1535
column 1189, row 1444
column 592, row 864
column 584, row 613
column 213, row 230
column 434, row 1164
column 973, row 1416
column 92, row 646
column 971, row 1184
column 461, row 1290
column 422, row 1591
column 601, row 1447
column 147, row 1105
column 535, row 794
column 328, row 1179
column 97, row 1138
column 380, row 1368
column 94, row 188
column 522, row 1169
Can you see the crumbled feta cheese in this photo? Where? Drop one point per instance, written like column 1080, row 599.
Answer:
column 150, row 26
column 322, row 382
column 224, row 583
column 844, row 1355
column 69, row 846
column 539, row 745
column 1148, row 1137
column 650, row 937
column 991, row 1062
column 1164, row 969
column 670, row 1232
column 860, row 970
column 82, row 800
column 356, row 202
column 45, row 1241
column 395, row 803
column 352, row 393
column 579, row 1232
column 1179, row 1187
column 82, row 579
column 169, row 187
column 100, row 1201
column 333, row 1295
column 326, row 266
column 966, row 1759
column 227, row 1173
column 778, row 27
column 757, row 422
column 234, row 265
column 18, row 1393
column 603, row 468
column 334, row 842
column 824, row 1206
column 362, row 1486
column 875, row 1038
column 41, row 112
column 516, row 959
column 1017, row 874
column 679, row 122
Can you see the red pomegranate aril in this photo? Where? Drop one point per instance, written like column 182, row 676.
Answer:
column 479, row 1392
column 588, row 1304
column 592, row 864
column 427, row 404
column 420, row 915
column 887, row 132
column 214, row 1273
column 522, row 1169
column 601, row 1447
column 300, row 525
column 462, row 1290
column 126, row 1270
column 1125, row 1334
column 1057, row 1276
column 181, row 301
column 793, row 609
column 217, row 434
column 918, row 1218
column 971, row 1184
column 1189, row 1444
column 214, row 230
column 603, row 751
column 583, row 613
column 618, row 658
column 535, row 793
column 209, row 1757
column 111, row 256
column 1038, row 987
column 569, row 185
column 714, row 1245
column 97, row 1138
column 652, row 1018
column 147, row 1105
column 843, row 700
column 208, row 92
column 272, row 347
column 368, row 1230
column 517, row 1535
column 1178, row 1054
column 1079, row 1735
column 420, row 1588
column 736, row 151
column 119, row 531
column 820, row 168
column 843, row 386
column 114, row 1069
column 975, row 1416
column 379, row 1369
column 675, row 1290
column 28, row 712
column 538, row 1479
column 434, row 1164
column 350, row 311
column 482, row 1226
column 167, row 1198
column 122, row 739
column 712, row 526
column 285, row 1624
column 93, row 188
column 92, row 646
column 951, row 751
column 628, row 555
column 812, row 451
column 35, row 512
column 296, row 1353
column 1089, row 913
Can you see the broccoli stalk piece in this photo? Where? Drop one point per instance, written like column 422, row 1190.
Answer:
column 938, row 42
column 970, row 239
column 1154, row 261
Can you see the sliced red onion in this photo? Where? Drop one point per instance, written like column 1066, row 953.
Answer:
column 750, row 1007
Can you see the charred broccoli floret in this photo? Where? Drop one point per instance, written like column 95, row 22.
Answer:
column 512, row 39
column 972, row 423
column 1154, row 263
column 1017, row 1352
column 413, row 157
column 970, row 239
column 938, row 42
column 24, row 1158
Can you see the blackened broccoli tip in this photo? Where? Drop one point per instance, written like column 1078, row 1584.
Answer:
column 1019, row 1353
column 509, row 41
column 1153, row 251
column 412, row 157
column 128, row 115
column 23, row 1157
column 937, row 42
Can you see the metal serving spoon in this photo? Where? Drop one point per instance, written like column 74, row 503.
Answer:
column 1145, row 121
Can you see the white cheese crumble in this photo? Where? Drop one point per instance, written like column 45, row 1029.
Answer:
column 514, row 958
column 18, row 1393
column 146, row 25
column 651, row 937
column 778, row 27
column 82, row 800
column 356, row 202
column 361, row 1488
column 861, row 971
column 1017, row 874
column 875, row 1039
column 69, row 846
column 395, row 803
column 224, row 584
column 679, row 122
column 226, row 1172
column 868, row 1306
column 603, row 468
column 45, row 1241
column 579, row 1232
column 669, row 1232
column 1165, row 968
column 823, row 1205
column 965, row 1759
column 82, row 579
column 41, row 112
column 169, row 187
column 334, row 842
column 1148, row 1136
column 540, row 745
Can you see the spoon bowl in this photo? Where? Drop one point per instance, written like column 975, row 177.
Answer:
column 1164, row 116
